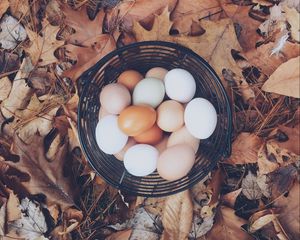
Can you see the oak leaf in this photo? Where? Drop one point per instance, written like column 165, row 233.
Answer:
column 227, row 226
column 43, row 47
column 214, row 45
column 245, row 148
column 79, row 20
column 5, row 87
column 3, row 7
column 177, row 216
column 19, row 8
column 46, row 177
column 285, row 79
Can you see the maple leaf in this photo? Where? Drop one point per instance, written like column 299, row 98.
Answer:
column 46, row 176
column 43, row 47
column 285, row 79
column 85, row 28
column 214, row 45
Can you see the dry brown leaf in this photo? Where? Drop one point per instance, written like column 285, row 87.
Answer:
column 285, row 79
column 177, row 216
column 292, row 16
column 45, row 177
column 12, row 208
column 245, row 148
column 290, row 211
column 265, row 163
column 5, row 88
column 19, row 8
column 43, row 47
column 188, row 11
column 121, row 235
column 79, row 20
column 261, row 57
column 3, row 7
column 260, row 219
column 240, row 15
column 214, row 46
column 2, row 219
column 293, row 142
column 227, row 226
column 230, row 198
column 86, row 57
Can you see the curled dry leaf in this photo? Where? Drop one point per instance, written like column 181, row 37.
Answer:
column 285, row 79
column 188, row 11
column 260, row 219
column 214, row 45
column 43, row 46
column 290, row 211
column 245, row 149
column 5, row 87
column 3, row 7
column 265, row 163
column 45, row 177
column 13, row 211
column 177, row 216
column 230, row 198
column 11, row 32
column 228, row 226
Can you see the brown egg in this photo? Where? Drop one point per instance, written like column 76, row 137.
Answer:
column 114, row 98
column 170, row 116
column 162, row 145
column 175, row 162
column 130, row 78
column 157, row 72
column 120, row 155
column 135, row 120
column 151, row 136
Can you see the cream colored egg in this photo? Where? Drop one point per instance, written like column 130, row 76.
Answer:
column 183, row 136
column 170, row 116
column 157, row 72
column 176, row 162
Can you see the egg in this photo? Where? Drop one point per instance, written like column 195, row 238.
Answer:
column 150, row 91
column 170, row 116
column 109, row 137
column 114, row 98
column 180, row 85
column 183, row 136
column 175, row 162
column 162, row 145
column 200, row 118
column 151, row 136
column 157, row 72
column 130, row 78
column 102, row 113
column 120, row 155
column 140, row 160
column 135, row 120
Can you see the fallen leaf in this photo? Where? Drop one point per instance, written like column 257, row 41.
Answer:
column 267, row 62
column 43, row 46
column 5, row 87
column 2, row 219
column 264, row 162
column 9, row 63
column 228, row 226
column 32, row 223
column 11, row 32
column 260, row 219
column 188, row 11
column 45, row 177
column 19, row 8
column 86, row 57
column 177, row 216
column 292, row 16
column 3, row 7
column 254, row 187
column 120, row 235
column 230, row 198
column 240, row 15
column 245, row 149
column 293, row 142
column 12, row 208
column 214, row 46
column 285, row 79
column 79, row 20
column 290, row 211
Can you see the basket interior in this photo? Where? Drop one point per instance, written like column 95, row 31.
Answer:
column 141, row 57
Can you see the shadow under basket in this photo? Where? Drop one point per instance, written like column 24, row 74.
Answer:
column 143, row 56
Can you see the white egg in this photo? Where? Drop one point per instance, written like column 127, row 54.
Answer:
column 180, row 85
column 109, row 137
column 200, row 118
column 140, row 160
column 150, row 91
